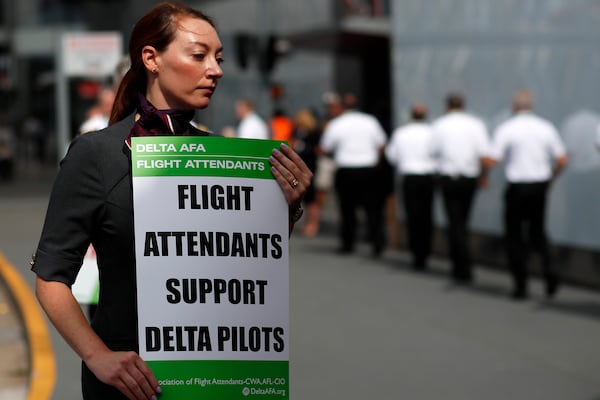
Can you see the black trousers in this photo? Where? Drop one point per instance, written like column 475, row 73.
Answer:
column 417, row 196
column 524, row 215
column 458, row 194
column 358, row 188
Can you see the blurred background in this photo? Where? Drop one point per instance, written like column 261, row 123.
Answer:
column 55, row 56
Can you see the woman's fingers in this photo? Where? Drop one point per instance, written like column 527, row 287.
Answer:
column 138, row 381
column 291, row 173
column 128, row 373
column 295, row 165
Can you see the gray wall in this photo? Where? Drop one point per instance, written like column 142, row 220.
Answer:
column 487, row 49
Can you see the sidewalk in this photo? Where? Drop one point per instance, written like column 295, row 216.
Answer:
column 364, row 328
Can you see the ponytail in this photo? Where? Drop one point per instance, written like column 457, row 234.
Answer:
column 126, row 99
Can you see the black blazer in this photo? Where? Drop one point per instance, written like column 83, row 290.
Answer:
column 92, row 202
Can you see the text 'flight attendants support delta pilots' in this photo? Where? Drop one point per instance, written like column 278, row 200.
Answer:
column 212, row 265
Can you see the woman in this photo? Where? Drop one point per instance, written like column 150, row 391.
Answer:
column 175, row 57
column 305, row 139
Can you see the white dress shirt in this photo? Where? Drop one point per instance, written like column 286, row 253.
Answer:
column 355, row 139
column 253, row 127
column 409, row 149
column 95, row 123
column 529, row 145
column 460, row 141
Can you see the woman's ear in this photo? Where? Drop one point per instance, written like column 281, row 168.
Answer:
column 150, row 58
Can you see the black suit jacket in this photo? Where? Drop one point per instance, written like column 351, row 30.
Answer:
column 92, row 202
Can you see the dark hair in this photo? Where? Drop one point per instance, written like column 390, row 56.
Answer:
column 455, row 101
column 157, row 29
column 418, row 112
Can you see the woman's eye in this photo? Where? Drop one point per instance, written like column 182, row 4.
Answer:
column 199, row 56
column 220, row 60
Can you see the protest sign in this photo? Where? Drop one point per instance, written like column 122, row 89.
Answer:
column 212, row 265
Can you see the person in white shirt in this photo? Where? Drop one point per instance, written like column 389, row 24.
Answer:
column 357, row 140
column 98, row 115
column 409, row 151
column 251, row 125
column 534, row 155
column 460, row 145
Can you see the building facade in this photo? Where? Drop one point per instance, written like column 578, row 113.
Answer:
column 488, row 49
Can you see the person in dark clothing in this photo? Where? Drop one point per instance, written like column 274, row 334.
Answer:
column 461, row 145
column 175, row 54
column 534, row 155
column 409, row 150
column 357, row 140
column 305, row 138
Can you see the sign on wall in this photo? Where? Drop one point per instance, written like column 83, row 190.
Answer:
column 91, row 54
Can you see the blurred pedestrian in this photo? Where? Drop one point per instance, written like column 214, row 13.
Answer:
column 461, row 146
column 325, row 171
column 409, row 150
column 281, row 126
column 305, row 139
column 357, row 140
column 250, row 125
column 99, row 114
column 349, row 101
column 534, row 155
column 175, row 54
column 34, row 135
column 7, row 152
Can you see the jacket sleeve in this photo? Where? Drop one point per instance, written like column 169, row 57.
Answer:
column 74, row 204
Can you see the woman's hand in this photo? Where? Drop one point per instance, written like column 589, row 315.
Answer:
column 127, row 372
column 124, row 370
column 292, row 174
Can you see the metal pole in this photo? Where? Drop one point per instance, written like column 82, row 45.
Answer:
column 62, row 102
column 263, row 29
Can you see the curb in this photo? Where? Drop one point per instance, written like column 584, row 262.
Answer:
column 42, row 374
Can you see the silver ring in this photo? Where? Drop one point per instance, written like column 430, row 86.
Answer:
column 294, row 183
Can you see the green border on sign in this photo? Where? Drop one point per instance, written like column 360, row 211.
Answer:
column 202, row 156
column 197, row 156
column 219, row 380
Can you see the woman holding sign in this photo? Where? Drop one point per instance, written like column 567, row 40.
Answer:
column 175, row 56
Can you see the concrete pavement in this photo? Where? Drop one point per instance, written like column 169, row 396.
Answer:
column 364, row 328
column 22, row 204
column 14, row 368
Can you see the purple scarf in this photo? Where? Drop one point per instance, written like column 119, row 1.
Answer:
column 153, row 122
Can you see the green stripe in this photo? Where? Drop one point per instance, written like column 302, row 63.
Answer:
column 221, row 157
column 96, row 294
column 212, row 380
